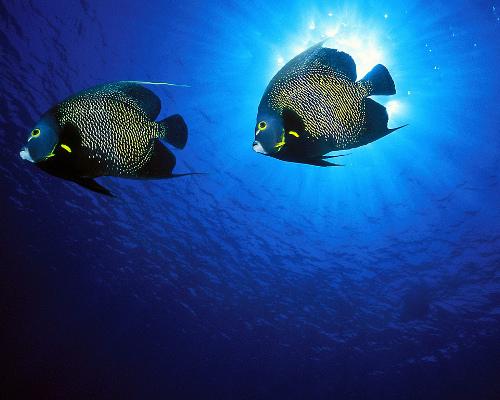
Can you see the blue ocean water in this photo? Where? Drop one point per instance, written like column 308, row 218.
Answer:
column 261, row 279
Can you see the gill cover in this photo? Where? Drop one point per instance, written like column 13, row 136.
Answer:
column 269, row 133
column 42, row 140
column 275, row 132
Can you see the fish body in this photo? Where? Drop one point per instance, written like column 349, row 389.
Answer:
column 108, row 130
column 314, row 105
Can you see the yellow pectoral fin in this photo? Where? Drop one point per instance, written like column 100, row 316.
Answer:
column 293, row 133
column 67, row 148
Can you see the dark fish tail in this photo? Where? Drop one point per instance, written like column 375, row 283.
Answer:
column 174, row 130
column 380, row 81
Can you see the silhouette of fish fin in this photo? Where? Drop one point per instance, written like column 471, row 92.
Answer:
column 158, row 83
column 146, row 100
column 137, row 95
column 91, row 184
column 188, row 174
column 160, row 165
column 376, row 122
column 337, row 155
column 174, row 130
column 338, row 60
column 380, row 81
column 317, row 161
column 322, row 162
column 399, row 127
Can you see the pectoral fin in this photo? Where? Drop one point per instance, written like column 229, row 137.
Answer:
column 91, row 184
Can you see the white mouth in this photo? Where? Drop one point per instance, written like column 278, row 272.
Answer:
column 25, row 154
column 257, row 147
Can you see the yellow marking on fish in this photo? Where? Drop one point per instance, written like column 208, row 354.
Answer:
column 67, row 148
column 293, row 133
column 281, row 143
column 127, row 147
column 331, row 107
column 51, row 154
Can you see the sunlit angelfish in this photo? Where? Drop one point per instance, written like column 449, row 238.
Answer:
column 106, row 130
column 314, row 105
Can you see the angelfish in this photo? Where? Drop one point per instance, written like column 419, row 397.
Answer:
column 107, row 130
column 314, row 105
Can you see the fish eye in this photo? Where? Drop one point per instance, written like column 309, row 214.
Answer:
column 35, row 132
column 262, row 125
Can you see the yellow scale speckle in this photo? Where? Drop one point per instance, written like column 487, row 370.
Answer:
column 330, row 104
column 114, row 130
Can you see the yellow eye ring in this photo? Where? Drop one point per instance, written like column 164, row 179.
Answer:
column 35, row 132
column 262, row 125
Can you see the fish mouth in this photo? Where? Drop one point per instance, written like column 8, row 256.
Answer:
column 257, row 147
column 25, row 154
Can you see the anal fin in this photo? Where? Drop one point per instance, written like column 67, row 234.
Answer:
column 376, row 122
column 320, row 161
column 91, row 184
column 161, row 163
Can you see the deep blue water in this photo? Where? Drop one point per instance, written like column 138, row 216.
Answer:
column 262, row 279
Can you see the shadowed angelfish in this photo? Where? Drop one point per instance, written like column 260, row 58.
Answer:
column 108, row 130
column 314, row 105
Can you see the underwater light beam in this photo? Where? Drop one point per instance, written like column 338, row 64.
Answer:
column 344, row 31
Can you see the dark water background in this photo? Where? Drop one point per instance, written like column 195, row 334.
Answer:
column 260, row 280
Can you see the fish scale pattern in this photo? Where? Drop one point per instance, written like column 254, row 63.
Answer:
column 331, row 106
column 127, row 144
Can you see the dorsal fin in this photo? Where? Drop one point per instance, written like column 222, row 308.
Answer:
column 337, row 60
column 144, row 98
column 129, row 92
